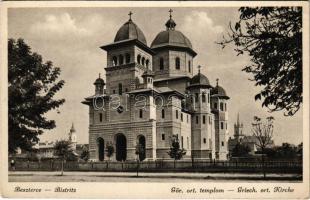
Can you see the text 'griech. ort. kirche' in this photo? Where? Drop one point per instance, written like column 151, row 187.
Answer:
column 158, row 97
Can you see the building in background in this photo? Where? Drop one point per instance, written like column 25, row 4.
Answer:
column 248, row 140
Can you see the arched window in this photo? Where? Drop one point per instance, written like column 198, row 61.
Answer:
column 221, row 106
column 127, row 58
column 143, row 61
column 161, row 63
column 121, row 59
column 120, row 89
column 163, row 113
column 139, row 59
column 177, row 63
column 189, row 66
column 147, row 62
column 114, row 61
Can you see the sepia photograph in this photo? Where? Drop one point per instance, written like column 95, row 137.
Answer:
column 156, row 94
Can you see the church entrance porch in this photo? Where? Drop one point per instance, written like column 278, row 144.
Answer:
column 100, row 143
column 121, row 147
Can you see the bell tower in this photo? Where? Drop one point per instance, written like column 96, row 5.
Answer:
column 202, row 118
column 72, row 137
column 219, row 108
column 128, row 57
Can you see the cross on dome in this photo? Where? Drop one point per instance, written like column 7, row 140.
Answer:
column 198, row 68
column 170, row 11
column 130, row 13
column 170, row 24
column 217, row 82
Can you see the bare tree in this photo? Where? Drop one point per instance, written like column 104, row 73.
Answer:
column 263, row 132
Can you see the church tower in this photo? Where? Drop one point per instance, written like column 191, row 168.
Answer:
column 219, row 108
column 174, row 53
column 72, row 137
column 238, row 129
column 128, row 57
column 202, row 118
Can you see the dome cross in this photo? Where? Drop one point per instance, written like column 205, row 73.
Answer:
column 170, row 11
column 199, row 68
column 130, row 13
column 217, row 82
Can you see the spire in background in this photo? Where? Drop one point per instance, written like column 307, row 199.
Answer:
column 72, row 129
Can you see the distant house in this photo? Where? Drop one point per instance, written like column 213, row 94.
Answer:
column 45, row 149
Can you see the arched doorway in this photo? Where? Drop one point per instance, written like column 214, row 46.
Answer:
column 141, row 143
column 121, row 147
column 100, row 143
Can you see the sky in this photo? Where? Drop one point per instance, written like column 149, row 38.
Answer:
column 71, row 37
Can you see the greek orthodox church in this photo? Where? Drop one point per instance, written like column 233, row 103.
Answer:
column 151, row 95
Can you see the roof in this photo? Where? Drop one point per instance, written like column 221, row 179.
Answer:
column 159, row 90
column 172, row 37
column 171, row 78
column 130, row 30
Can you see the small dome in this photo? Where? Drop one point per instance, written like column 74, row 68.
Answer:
column 130, row 31
column 219, row 91
column 99, row 81
column 200, row 79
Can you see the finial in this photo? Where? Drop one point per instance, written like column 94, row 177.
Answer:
column 199, row 68
column 99, row 75
column 170, row 11
column 217, row 83
column 130, row 13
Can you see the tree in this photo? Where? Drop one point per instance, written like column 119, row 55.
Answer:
column 175, row 151
column 85, row 153
column 63, row 150
column 240, row 150
column 272, row 37
column 263, row 132
column 287, row 151
column 32, row 85
column 110, row 150
column 140, row 152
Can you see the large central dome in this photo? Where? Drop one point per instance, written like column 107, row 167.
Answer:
column 130, row 31
column 171, row 37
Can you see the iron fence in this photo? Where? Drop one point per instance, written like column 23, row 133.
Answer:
column 163, row 166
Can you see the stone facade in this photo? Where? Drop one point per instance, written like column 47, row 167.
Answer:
column 150, row 96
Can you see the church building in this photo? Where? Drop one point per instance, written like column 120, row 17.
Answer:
column 151, row 95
